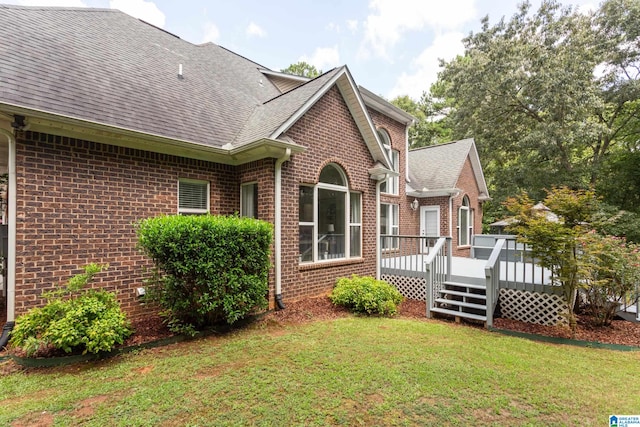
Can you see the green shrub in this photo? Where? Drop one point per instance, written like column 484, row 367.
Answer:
column 73, row 320
column 366, row 295
column 207, row 268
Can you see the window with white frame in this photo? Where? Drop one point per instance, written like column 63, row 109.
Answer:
column 391, row 185
column 389, row 225
column 465, row 223
column 249, row 200
column 330, row 218
column 193, row 197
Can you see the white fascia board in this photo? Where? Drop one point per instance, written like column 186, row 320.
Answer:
column 382, row 105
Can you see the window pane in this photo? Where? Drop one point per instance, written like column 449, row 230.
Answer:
column 306, row 204
column 331, row 175
column 384, row 221
column 356, row 208
column 462, row 230
column 192, row 195
column 331, row 223
column 431, row 223
column 356, row 241
column 306, row 243
column 249, row 200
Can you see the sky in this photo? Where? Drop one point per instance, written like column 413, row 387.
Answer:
column 392, row 47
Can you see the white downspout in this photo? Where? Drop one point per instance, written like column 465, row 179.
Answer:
column 378, row 247
column 451, row 217
column 11, row 218
column 278, row 226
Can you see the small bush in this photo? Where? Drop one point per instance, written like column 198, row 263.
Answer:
column 73, row 320
column 207, row 268
column 366, row 295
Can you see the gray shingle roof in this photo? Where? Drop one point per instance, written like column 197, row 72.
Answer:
column 104, row 66
column 438, row 167
column 268, row 117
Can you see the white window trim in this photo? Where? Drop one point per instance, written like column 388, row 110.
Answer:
column 195, row 211
column 390, row 226
column 469, row 229
column 347, row 212
column 355, row 224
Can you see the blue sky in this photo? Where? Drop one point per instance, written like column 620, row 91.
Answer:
column 391, row 46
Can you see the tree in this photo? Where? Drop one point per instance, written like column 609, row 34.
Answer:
column 432, row 126
column 303, row 69
column 554, row 244
column 548, row 96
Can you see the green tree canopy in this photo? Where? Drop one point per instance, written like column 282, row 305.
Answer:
column 303, row 69
column 549, row 96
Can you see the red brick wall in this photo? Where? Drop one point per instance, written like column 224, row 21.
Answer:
column 469, row 186
column 330, row 135
column 397, row 134
column 77, row 202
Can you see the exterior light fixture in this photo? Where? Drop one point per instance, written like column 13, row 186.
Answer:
column 414, row 205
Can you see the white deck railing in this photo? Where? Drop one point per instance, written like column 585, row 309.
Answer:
column 437, row 269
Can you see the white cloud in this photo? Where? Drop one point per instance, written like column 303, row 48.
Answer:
column 254, row 30
column 390, row 19
column 59, row 3
column 323, row 58
column 427, row 65
column 211, row 33
column 352, row 25
column 333, row 27
column 145, row 10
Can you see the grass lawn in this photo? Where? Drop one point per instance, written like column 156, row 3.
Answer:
column 350, row 371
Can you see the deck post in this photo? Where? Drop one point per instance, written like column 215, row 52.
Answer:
column 429, row 296
column 449, row 257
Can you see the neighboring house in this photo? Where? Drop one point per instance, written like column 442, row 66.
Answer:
column 106, row 120
column 448, row 183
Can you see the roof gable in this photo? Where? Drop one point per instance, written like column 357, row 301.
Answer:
column 437, row 168
column 276, row 116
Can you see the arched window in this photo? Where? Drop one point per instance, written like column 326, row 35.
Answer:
column 330, row 218
column 465, row 223
column 390, row 186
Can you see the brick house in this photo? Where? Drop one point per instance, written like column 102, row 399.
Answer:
column 106, row 120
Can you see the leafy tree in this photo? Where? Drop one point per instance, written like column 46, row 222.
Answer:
column 548, row 95
column 303, row 69
column 555, row 243
column 432, row 126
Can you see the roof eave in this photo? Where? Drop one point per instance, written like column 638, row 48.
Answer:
column 440, row 192
column 382, row 105
column 57, row 124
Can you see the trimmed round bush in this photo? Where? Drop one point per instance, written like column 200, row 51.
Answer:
column 208, row 268
column 366, row 295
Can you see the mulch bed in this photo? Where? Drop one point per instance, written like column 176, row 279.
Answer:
column 151, row 328
column 320, row 308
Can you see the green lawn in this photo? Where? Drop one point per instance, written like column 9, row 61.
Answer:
column 351, row 371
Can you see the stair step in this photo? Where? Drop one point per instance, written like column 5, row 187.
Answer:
column 461, row 303
column 463, row 294
column 465, row 285
column 459, row 314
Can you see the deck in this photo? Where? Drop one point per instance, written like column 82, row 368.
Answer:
column 510, row 271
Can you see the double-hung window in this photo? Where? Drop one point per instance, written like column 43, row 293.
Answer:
column 193, row 197
column 330, row 218
column 389, row 225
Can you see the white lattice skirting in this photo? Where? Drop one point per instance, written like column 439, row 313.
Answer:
column 409, row 287
column 533, row 307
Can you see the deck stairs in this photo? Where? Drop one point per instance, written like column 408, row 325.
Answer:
column 462, row 299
